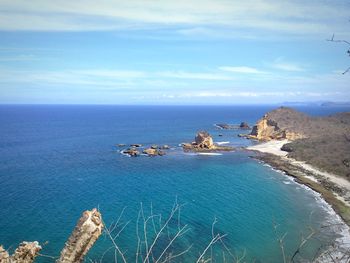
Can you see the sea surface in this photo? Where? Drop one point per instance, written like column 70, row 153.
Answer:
column 58, row 160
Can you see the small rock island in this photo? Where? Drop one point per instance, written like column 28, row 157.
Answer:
column 153, row 150
column 224, row 126
column 204, row 143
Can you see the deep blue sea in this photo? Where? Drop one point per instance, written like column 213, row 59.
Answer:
column 57, row 161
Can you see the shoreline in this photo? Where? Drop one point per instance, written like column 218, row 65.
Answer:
column 333, row 189
column 326, row 186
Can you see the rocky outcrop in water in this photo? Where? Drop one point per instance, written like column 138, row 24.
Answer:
column 225, row 126
column 131, row 152
column 204, row 140
column 204, row 143
column 244, row 125
column 153, row 151
column 136, row 145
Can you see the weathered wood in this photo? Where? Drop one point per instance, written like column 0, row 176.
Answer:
column 25, row 253
column 86, row 232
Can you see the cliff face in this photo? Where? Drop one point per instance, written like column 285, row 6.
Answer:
column 282, row 123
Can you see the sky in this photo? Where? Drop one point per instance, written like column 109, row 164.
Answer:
column 173, row 52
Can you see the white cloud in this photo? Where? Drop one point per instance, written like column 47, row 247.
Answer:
column 19, row 58
column 242, row 69
column 106, row 77
column 247, row 94
column 287, row 67
column 118, row 74
column 281, row 64
column 193, row 75
column 192, row 16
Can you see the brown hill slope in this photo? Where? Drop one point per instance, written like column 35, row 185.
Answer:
column 320, row 141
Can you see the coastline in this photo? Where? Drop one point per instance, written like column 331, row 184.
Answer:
column 327, row 187
column 333, row 189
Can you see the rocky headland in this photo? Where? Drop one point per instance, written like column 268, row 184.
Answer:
column 204, row 143
column 314, row 150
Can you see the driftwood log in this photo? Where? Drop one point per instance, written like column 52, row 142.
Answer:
column 25, row 253
column 84, row 235
column 86, row 232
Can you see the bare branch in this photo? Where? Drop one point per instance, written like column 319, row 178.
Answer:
column 213, row 241
column 303, row 242
column 182, row 231
column 149, row 251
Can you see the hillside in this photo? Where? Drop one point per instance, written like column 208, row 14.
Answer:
column 323, row 142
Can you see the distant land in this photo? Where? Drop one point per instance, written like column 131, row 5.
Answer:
column 317, row 103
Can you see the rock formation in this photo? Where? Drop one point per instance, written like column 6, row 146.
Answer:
column 86, row 232
column 204, row 143
column 131, row 152
column 204, row 140
column 244, row 125
column 282, row 123
column 136, row 145
column 153, row 152
column 225, row 126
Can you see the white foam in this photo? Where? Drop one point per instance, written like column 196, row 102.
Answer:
column 125, row 154
column 190, row 153
column 334, row 220
column 221, row 143
column 217, row 126
column 209, row 153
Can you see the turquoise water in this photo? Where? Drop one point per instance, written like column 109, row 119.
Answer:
column 56, row 161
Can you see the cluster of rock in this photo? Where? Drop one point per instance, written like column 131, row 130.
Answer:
column 153, row 150
column 85, row 234
column 204, row 143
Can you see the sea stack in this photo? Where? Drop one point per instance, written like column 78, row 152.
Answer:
column 204, row 140
column 204, row 143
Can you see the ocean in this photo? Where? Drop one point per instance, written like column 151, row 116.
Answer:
column 58, row 160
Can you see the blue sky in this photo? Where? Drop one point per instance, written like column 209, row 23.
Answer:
column 173, row 52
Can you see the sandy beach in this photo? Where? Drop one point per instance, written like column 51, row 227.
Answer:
column 316, row 175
